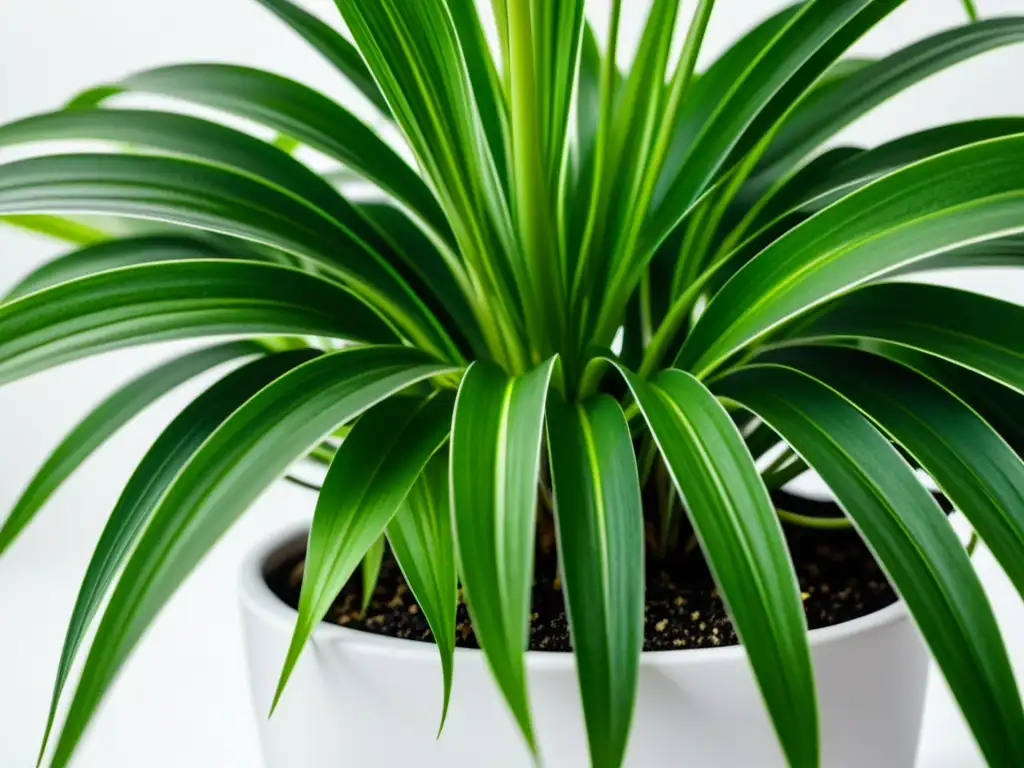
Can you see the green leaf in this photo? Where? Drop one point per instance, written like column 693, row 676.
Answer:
column 174, row 300
column 421, row 539
column 969, row 461
column 600, row 526
column 155, row 473
column 292, row 109
column 827, row 112
column 369, row 478
column 909, row 535
column 189, row 137
column 105, row 420
column 772, row 81
column 332, row 45
column 244, row 455
column 495, row 467
column 59, row 228
column 370, row 571
column 961, row 197
column 988, row 335
column 114, row 254
column 742, row 540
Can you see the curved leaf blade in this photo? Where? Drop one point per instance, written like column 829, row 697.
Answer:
column 966, row 457
column 147, row 485
column 332, row 45
column 743, row 542
column 965, row 196
column 175, row 300
column 105, row 420
column 988, row 336
column 421, row 540
column 369, row 478
column 292, row 109
column 246, row 453
column 910, row 536
column 599, row 522
column 495, row 467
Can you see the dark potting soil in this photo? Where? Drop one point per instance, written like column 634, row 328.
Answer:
column 838, row 577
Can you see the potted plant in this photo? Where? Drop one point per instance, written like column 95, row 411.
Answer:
column 558, row 372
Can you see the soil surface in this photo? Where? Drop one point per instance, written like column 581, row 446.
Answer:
column 839, row 581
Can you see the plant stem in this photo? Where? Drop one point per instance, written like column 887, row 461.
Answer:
column 818, row 523
column 972, row 10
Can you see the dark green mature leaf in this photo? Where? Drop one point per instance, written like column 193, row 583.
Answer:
column 988, row 335
column 369, row 478
column 175, row 300
column 106, row 419
column 809, row 43
column 495, row 467
column 190, row 137
column 114, row 254
column 999, row 405
column 293, row 109
column 154, row 475
column 824, row 114
column 910, row 536
column 421, row 539
column 232, row 468
column 199, row 195
column 971, row 194
column 599, row 518
column 967, row 458
column 332, row 45
column 743, row 543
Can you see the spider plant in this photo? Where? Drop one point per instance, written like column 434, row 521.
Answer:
column 585, row 279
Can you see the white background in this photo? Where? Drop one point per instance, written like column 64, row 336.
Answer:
column 183, row 698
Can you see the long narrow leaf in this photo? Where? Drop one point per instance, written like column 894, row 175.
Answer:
column 970, row 462
column 369, row 478
column 495, row 468
column 988, row 336
column 911, row 538
column 742, row 539
column 421, row 539
column 246, row 453
column 599, row 518
column 968, row 195
column 154, row 475
column 174, row 300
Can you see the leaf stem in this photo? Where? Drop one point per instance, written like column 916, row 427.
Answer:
column 818, row 523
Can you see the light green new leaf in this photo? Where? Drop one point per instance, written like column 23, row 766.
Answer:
column 970, row 462
column 909, row 535
column 961, row 197
column 824, row 114
column 105, row 420
column 244, row 455
column 154, row 475
column 600, row 526
column 421, row 540
column 495, row 468
column 175, row 300
column 57, row 227
column 114, row 254
column 332, row 45
column 292, row 109
column 988, row 336
column 742, row 540
column 369, row 478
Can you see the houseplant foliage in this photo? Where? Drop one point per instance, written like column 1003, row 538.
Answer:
column 554, row 203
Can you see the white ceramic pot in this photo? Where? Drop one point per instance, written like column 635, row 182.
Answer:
column 373, row 702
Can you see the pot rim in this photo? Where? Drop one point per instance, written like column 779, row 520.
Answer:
column 258, row 599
